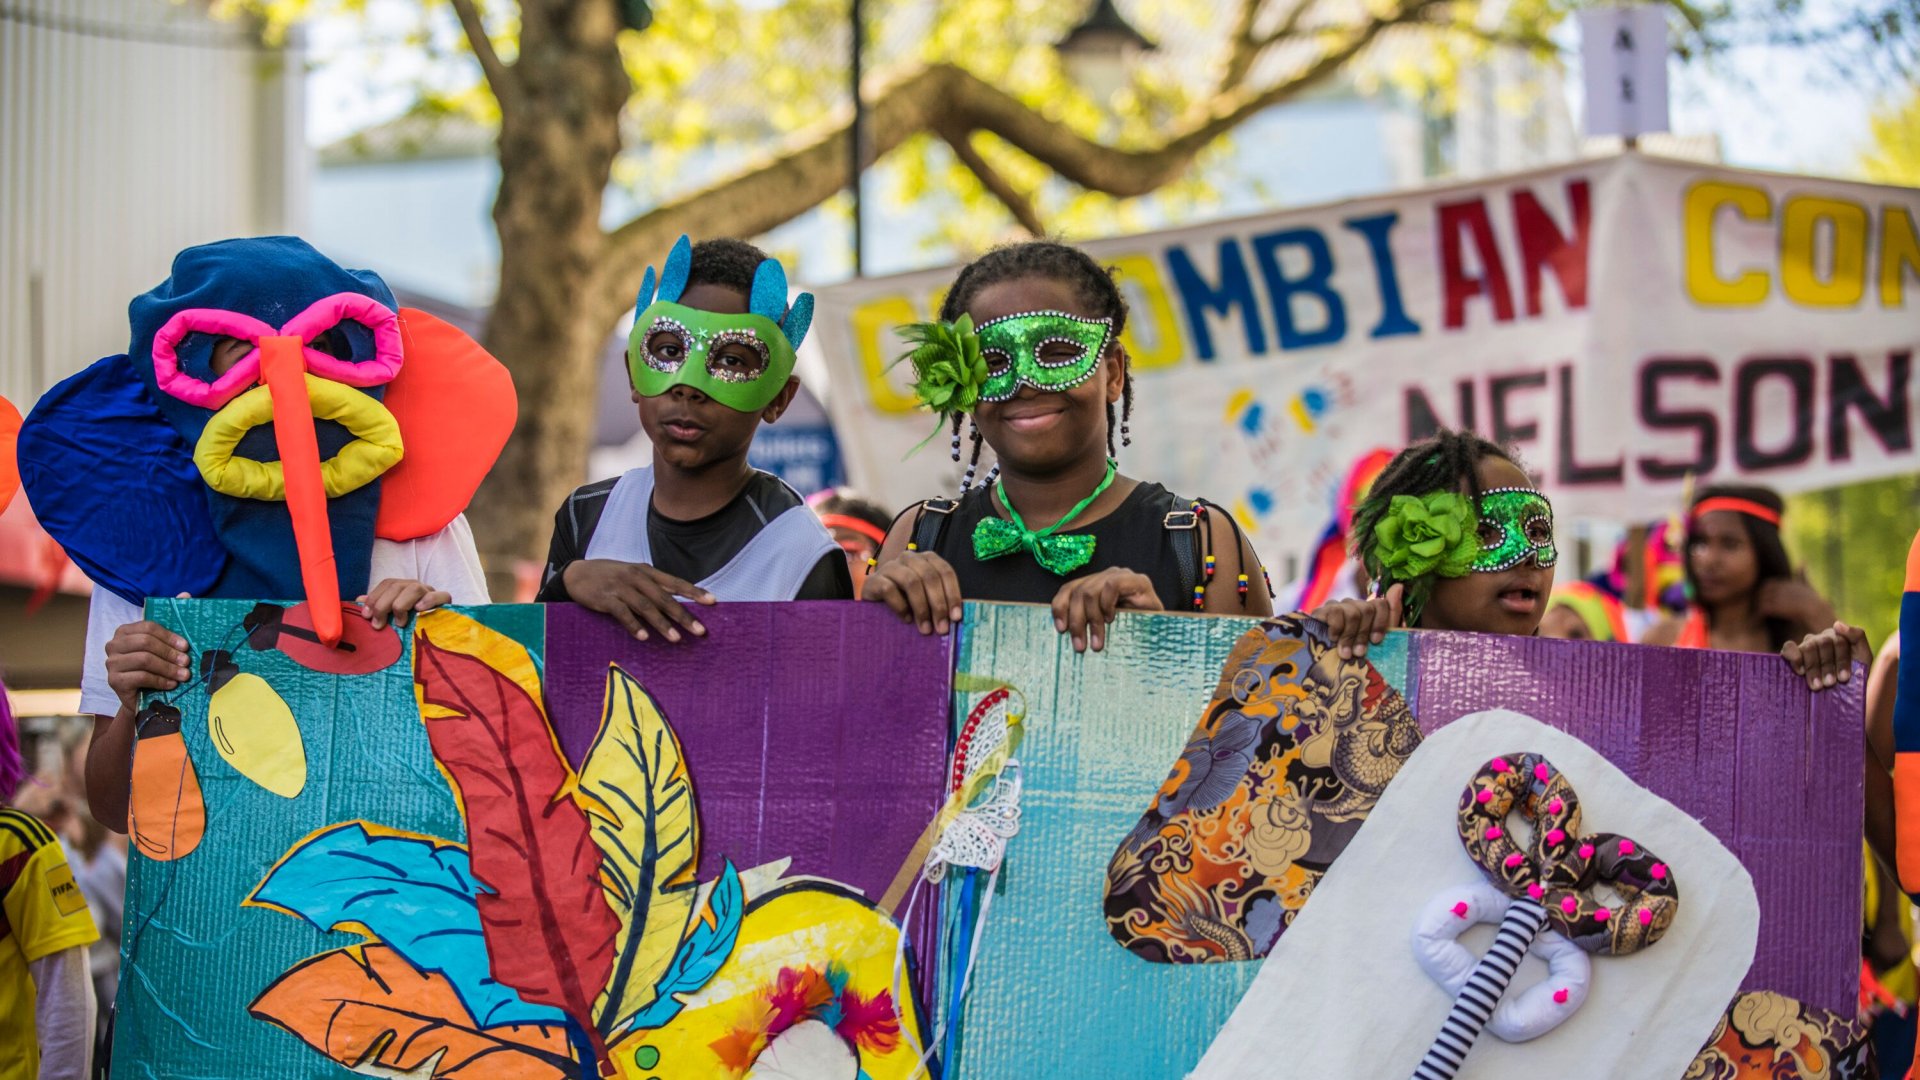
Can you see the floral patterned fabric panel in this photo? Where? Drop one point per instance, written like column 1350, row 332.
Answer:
column 1767, row 1036
column 1291, row 754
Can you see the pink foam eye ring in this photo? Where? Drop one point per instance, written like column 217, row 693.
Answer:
column 319, row 317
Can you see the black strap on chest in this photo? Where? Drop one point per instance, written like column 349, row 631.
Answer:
column 1186, row 554
column 930, row 528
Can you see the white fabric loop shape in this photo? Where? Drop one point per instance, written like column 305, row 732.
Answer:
column 1521, row 1016
column 978, row 836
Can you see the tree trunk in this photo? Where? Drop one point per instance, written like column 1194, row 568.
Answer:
column 559, row 134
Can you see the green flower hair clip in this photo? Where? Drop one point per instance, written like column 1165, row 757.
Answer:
column 947, row 366
column 1426, row 535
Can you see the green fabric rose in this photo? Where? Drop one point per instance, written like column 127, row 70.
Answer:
column 1431, row 534
column 947, row 366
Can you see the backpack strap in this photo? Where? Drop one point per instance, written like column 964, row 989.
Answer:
column 1187, row 556
column 931, row 526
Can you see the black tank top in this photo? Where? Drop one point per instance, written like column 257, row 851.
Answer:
column 1134, row 537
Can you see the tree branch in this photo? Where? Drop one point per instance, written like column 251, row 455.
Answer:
column 1017, row 204
column 499, row 75
column 943, row 97
column 1245, row 47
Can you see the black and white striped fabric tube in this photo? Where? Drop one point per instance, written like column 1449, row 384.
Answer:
column 1475, row 1003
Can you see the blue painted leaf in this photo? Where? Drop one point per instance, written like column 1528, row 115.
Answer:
column 415, row 894
column 701, row 955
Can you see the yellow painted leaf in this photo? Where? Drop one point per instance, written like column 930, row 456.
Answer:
column 639, row 802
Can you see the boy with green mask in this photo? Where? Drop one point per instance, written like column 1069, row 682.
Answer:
column 710, row 359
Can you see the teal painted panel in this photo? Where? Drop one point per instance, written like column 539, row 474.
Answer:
column 186, row 916
column 1054, row 994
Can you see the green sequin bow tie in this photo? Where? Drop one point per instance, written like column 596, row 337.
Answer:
column 1061, row 555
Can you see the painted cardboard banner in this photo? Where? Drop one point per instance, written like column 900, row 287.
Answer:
column 514, row 842
column 573, row 854
column 1169, row 836
column 1627, row 322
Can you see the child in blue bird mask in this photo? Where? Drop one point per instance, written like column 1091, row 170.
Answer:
column 270, row 434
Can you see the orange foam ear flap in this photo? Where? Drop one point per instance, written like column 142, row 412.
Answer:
column 284, row 370
column 9, row 462
column 166, row 813
column 456, row 407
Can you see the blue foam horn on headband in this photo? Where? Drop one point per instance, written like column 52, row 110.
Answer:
column 673, row 276
column 673, row 281
column 768, row 297
column 646, row 292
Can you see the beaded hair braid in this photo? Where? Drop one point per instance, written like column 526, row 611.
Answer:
column 1447, row 461
column 1058, row 262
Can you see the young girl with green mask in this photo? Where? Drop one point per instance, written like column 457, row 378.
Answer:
column 1456, row 538
column 1028, row 352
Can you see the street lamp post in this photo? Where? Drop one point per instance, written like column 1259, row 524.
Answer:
column 856, row 141
column 1098, row 51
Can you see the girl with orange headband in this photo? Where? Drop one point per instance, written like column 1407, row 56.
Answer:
column 1745, row 593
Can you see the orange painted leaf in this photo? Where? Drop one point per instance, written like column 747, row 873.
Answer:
column 384, row 1013
column 549, row 930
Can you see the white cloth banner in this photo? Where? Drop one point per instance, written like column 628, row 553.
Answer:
column 1625, row 322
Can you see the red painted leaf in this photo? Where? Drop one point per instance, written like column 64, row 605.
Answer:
column 549, row 931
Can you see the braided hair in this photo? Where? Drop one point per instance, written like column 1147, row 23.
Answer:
column 1447, row 461
column 1093, row 283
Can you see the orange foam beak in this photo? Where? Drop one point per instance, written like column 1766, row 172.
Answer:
column 283, row 368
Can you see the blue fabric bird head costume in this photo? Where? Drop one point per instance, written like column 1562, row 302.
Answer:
column 161, row 475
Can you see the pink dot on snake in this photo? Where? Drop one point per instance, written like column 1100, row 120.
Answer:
column 1560, row 997
column 1485, row 796
column 1494, row 832
column 1586, row 851
column 1460, row 909
column 1659, row 871
column 1499, row 764
column 1646, row 917
column 1515, row 859
column 1534, row 890
column 1569, row 905
column 1540, row 772
column 1555, row 836
column 1601, row 915
column 1626, row 847
column 1555, row 806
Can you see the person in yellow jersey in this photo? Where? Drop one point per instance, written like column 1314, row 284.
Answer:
column 46, row 990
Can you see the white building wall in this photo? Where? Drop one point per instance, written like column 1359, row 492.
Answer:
column 129, row 129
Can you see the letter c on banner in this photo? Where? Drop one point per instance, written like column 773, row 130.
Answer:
column 1160, row 346
column 875, row 346
column 1704, row 283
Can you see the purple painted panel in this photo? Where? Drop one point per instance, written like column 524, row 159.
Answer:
column 1732, row 739
column 812, row 731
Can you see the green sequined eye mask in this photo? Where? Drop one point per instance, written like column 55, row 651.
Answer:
column 1515, row 523
column 1047, row 350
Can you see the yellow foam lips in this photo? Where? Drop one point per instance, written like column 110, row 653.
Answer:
column 376, row 446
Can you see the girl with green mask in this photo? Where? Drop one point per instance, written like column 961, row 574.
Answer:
column 1455, row 537
column 1027, row 356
